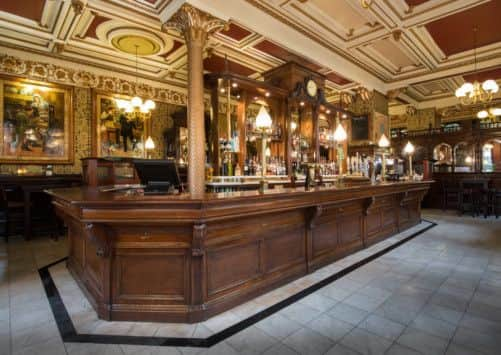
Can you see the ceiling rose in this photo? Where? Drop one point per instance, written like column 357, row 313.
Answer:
column 125, row 39
column 128, row 43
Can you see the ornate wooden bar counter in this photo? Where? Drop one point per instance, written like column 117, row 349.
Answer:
column 178, row 259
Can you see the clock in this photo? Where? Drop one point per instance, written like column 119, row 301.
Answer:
column 311, row 88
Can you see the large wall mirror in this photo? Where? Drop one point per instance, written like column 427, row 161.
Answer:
column 491, row 156
column 463, row 157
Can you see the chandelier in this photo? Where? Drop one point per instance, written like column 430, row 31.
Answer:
column 136, row 108
column 472, row 93
column 491, row 113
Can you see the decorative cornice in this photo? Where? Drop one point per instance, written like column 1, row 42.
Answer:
column 56, row 74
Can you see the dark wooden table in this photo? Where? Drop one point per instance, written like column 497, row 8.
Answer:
column 28, row 185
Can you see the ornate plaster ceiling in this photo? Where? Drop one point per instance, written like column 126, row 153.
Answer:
column 421, row 47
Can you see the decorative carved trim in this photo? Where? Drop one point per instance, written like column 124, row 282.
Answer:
column 198, row 241
column 193, row 23
column 78, row 6
column 97, row 235
column 52, row 73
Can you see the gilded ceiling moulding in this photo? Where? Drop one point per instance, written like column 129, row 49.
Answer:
column 52, row 73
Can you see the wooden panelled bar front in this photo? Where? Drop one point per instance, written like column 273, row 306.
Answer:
column 178, row 259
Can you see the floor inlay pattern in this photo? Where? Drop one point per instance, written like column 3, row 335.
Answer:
column 301, row 302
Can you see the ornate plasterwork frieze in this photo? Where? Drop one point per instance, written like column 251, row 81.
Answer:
column 56, row 74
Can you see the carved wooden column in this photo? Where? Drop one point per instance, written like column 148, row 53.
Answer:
column 195, row 25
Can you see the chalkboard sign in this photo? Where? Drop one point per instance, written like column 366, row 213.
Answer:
column 360, row 128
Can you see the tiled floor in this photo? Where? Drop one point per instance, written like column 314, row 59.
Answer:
column 439, row 293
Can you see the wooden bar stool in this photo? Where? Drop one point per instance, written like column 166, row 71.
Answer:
column 450, row 194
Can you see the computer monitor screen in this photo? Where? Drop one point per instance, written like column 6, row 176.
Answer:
column 157, row 174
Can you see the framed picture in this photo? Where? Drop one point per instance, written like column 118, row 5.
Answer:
column 36, row 123
column 117, row 134
column 360, row 128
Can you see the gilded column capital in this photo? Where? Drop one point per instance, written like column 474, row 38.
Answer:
column 193, row 23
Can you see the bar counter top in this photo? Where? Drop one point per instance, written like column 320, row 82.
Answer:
column 93, row 195
column 183, row 258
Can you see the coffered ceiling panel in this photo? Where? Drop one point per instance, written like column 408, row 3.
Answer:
column 454, row 33
column 415, row 2
column 29, row 9
column 391, row 50
column 484, row 75
column 343, row 12
column 236, row 32
column 216, row 64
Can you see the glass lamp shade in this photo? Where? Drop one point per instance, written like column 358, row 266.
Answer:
column 121, row 104
column 467, row 88
column 268, row 152
column 482, row 114
column 150, row 104
column 488, row 146
column 128, row 107
column 144, row 109
column 460, row 92
column 293, row 125
column 340, row 133
column 136, row 101
column 409, row 148
column 468, row 160
column 263, row 119
column 149, row 144
column 490, row 86
column 383, row 141
column 495, row 111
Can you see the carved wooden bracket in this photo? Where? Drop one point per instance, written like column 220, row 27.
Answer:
column 198, row 241
column 97, row 235
column 313, row 215
column 368, row 203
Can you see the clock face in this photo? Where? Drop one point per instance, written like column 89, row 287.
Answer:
column 311, row 88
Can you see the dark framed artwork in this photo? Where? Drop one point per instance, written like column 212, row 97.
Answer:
column 116, row 133
column 360, row 128
column 36, row 123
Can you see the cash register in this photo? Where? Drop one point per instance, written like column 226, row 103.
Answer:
column 159, row 177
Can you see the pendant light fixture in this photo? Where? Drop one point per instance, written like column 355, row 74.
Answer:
column 476, row 92
column 136, row 108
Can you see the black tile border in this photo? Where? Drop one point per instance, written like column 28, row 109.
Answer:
column 69, row 334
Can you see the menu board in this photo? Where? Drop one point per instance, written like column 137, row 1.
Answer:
column 360, row 128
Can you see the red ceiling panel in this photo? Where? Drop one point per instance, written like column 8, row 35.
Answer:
column 31, row 10
column 415, row 2
column 236, row 32
column 337, row 79
column 91, row 31
column 484, row 75
column 283, row 54
column 454, row 33
column 215, row 64
column 175, row 46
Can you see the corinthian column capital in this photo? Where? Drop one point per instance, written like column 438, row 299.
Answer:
column 193, row 23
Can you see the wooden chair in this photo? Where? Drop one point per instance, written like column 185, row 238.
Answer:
column 4, row 220
column 12, row 212
column 471, row 196
column 450, row 194
column 493, row 205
